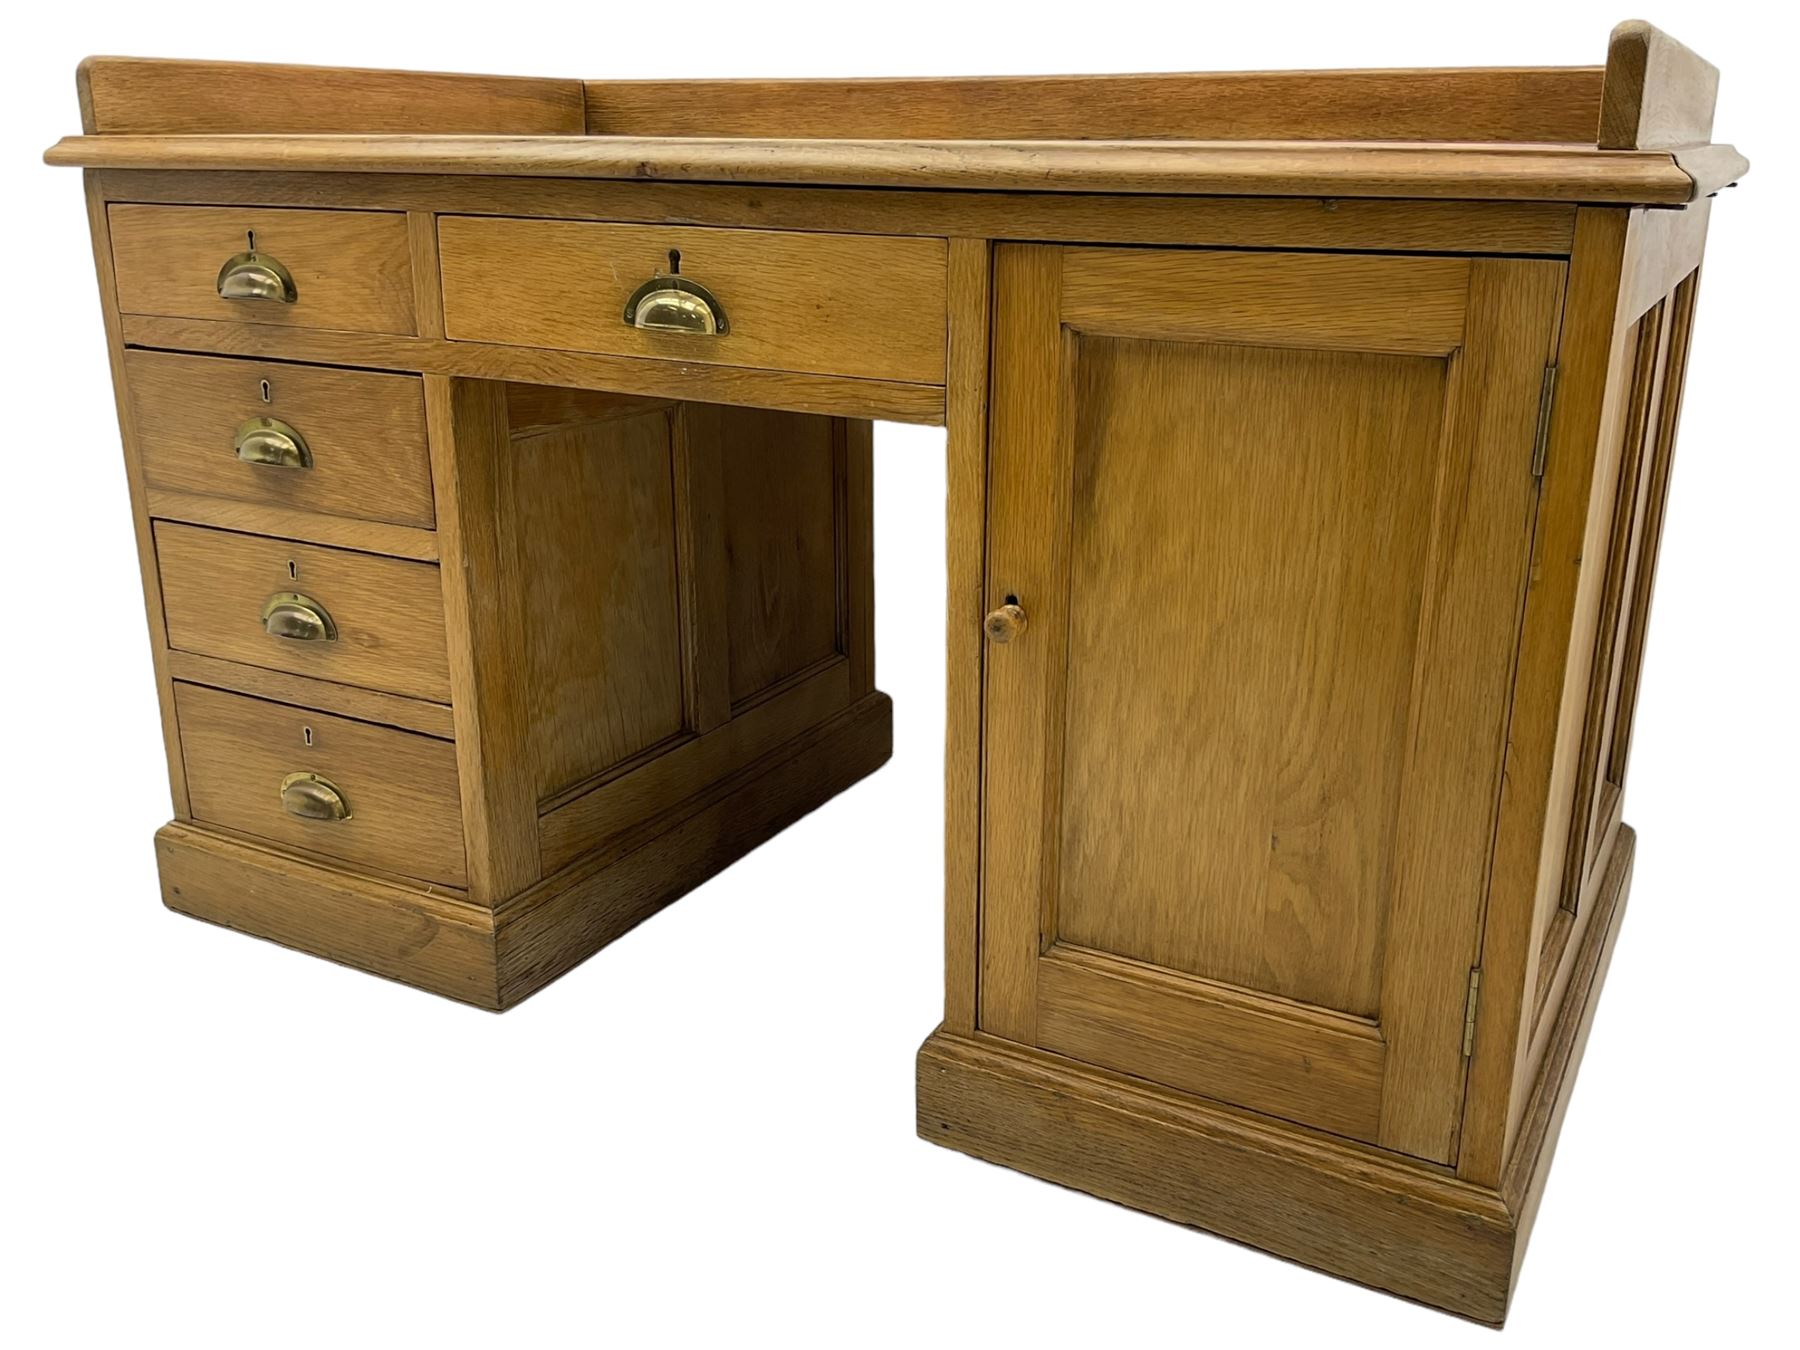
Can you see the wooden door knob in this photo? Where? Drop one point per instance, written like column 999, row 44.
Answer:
column 1005, row 623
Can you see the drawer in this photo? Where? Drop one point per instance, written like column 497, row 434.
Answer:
column 349, row 270
column 833, row 304
column 379, row 621
column 358, row 436
column 399, row 788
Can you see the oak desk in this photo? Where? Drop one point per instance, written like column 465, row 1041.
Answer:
column 500, row 461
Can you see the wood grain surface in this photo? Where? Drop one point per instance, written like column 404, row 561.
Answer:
column 388, row 612
column 832, row 304
column 352, row 270
column 366, row 432
column 401, row 789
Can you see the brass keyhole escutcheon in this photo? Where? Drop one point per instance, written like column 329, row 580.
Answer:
column 1006, row 623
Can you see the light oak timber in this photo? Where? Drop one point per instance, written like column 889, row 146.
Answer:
column 487, row 642
column 1597, row 795
column 965, row 474
column 283, row 522
column 1430, row 170
column 1522, row 1186
column 122, row 94
column 1243, row 222
column 387, row 612
column 593, row 529
column 1353, row 1212
column 1682, row 302
column 1210, row 1040
column 1308, row 1198
column 545, row 410
column 365, row 432
column 783, row 485
column 1344, row 769
column 1027, row 285
column 1656, row 93
column 1405, row 305
column 591, row 814
column 1537, row 788
column 1479, row 564
column 1712, row 167
column 427, row 273
column 789, row 391
column 405, row 933
column 872, row 308
column 401, row 789
column 1665, row 247
column 1517, row 104
column 100, row 230
column 854, row 450
column 365, row 705
column 1286, row 736
column 1530, row 942
column 351, row 270
column 699, row 474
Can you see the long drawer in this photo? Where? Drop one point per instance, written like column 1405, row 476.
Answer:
column 833, row 304
column 329, row 613
column 349, row 270
column 341, row 442
column 365, row 794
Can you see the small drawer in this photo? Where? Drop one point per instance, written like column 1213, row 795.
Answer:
column 340, row 442
column 831, row 304
column 349, row 270
column 366, row 794
column 353, row 618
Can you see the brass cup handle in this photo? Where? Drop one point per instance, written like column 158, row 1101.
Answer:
column 269, row 440
column 311, row 797
column 256, row 276
column 299, row 618
column 1004, row 624
column 673, row 304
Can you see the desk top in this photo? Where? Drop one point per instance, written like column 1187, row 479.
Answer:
column 1637, row 130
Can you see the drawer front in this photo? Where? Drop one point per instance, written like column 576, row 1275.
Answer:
column 383, row 618
column 219, row 427
column 862, row 305
column 399, row 789
column 350, row 270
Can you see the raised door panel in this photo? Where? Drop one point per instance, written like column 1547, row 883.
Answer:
column 1268, row 517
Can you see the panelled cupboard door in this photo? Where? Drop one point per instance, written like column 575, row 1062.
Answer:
column 1267, row 517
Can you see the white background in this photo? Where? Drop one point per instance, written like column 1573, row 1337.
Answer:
column 704, row 1135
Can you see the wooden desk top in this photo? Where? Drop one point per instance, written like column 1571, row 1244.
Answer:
column 1636, row 131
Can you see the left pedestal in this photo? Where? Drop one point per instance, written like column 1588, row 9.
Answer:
column 461, row 678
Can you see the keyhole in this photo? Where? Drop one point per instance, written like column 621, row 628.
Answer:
column 674, row 262
column 293, row 570
column 267, row 393
column 306, row 735
column 251, row 236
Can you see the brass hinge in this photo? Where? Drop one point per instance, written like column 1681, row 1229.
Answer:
column 1469, row 1013
column 1541, row 445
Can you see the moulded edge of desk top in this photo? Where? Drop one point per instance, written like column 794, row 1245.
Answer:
column 1458, row 171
